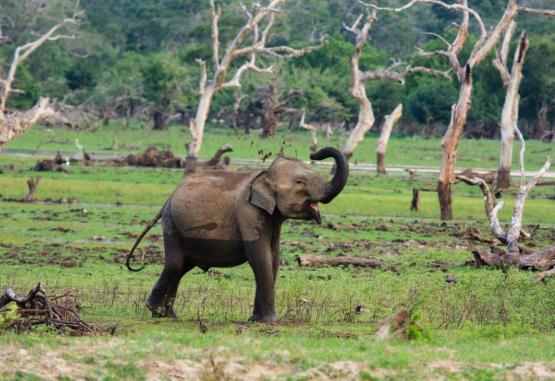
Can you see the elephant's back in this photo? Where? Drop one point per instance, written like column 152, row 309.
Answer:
column 205, row 204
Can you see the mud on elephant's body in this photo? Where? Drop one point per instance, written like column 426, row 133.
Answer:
column 223, row 219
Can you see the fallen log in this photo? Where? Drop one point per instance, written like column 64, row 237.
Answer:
column 216, row 162
column 315, row 261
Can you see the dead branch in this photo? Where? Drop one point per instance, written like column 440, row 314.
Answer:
column 216, row 160
column 314, row 261
column 488, row 177
column 539, row 260
column 58, row 312
column 544, row 12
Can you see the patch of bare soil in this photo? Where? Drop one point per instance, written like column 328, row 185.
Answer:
column 42, row 254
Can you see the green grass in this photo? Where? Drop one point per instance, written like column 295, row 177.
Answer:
column 487, row 325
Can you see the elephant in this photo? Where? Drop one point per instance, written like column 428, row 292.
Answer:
column 224, row 219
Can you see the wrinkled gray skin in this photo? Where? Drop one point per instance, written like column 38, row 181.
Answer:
column 223, row 219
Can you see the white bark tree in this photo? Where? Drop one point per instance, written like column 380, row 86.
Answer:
column 249, row 42
column 357, row 88
column 14, row 123
column 388, row 124
column 509, row 114
column 487, row 40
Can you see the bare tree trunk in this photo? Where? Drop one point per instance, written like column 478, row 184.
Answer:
column 269, row 123
column 389, row 123
column 509, row 114
column 450, row 144
column 106, row 116
column 542, row 117
column 32, row 184
column 160, row 120
column 415, row 202
column 197, row 124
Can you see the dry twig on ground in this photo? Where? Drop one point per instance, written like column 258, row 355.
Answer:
column 61, row 313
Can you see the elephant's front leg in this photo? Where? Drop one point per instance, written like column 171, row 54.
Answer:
column 259, row 255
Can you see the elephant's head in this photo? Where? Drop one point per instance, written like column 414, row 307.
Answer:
column 294, row 190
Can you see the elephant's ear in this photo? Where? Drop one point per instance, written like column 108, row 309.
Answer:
column 261, row 194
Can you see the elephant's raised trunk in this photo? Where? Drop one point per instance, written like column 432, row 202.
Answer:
column 337, row 183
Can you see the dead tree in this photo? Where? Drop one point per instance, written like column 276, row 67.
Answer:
column 357, row 88
column 313, row 133
column 509, row 114
column 249, row 42
column 387, row 127
column 515, row 255
column 14, row 123
column 275, row 106
column 488, row 38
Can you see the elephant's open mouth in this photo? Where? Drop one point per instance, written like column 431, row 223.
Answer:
column 315, row 212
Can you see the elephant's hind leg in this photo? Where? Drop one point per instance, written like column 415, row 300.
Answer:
column 176, row 264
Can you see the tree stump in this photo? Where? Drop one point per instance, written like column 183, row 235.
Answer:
column 414, row 204
column 32, row 184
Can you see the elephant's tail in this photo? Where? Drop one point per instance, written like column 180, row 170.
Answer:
column 147, row 229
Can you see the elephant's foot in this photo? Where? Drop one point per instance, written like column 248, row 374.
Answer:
column 259, row 318
column 161, row 311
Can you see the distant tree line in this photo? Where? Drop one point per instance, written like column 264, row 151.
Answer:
column 136, row 59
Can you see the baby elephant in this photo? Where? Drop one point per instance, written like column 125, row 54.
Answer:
column 224, row 219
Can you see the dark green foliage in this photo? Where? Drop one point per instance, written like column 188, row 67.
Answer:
column 430, row 101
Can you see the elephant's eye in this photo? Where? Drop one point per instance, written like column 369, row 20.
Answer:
column 299, row 181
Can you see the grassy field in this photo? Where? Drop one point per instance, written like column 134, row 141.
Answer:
column 477, row 324
column 402, row 150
